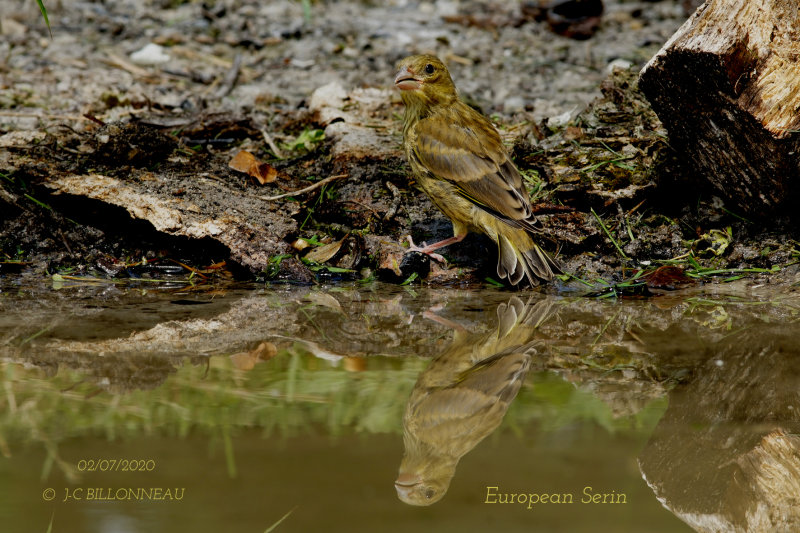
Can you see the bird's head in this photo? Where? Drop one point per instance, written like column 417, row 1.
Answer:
column 425, row 472
column 424, row 80
column 416, row 490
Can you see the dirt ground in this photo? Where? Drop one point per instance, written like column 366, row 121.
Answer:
column 116, row 163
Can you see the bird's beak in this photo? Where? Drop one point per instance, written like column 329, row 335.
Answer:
column 405, row 81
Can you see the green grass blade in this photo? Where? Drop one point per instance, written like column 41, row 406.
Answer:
column 284, row 517
column 44, row 14
column 608, row 233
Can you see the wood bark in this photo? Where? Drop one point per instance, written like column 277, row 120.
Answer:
column 725, row 456
column 727, row 88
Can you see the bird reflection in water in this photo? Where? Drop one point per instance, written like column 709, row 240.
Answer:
column 462, row 397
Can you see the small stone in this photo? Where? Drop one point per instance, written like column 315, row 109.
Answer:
column 12, row 28
column 514, row 104
column 618, row 64
column 415, row 263
column 151, row 54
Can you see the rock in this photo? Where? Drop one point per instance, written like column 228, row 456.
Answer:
column 358, row 123
column 12, row 28
column 151, row 54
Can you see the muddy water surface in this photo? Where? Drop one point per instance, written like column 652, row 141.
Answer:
column 127, row 409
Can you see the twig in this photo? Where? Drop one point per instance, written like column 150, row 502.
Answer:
column 230, row 78
column 188, row 53
column 190, row 269
column 637, row 206
column 271, row 143
column 284, row 517
column 392, row 211
column 94, row 119
column 41, row 116
column 304, row 190
column 121, row 63
column 64, row 240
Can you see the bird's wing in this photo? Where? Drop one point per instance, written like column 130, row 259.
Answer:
column 469, row 154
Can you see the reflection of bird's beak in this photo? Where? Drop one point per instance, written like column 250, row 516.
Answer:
column 405, row 81
column 404, row 484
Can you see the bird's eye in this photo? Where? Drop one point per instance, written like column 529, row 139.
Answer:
column 429, row 69
column 430, row 493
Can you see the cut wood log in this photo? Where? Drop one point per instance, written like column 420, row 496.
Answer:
column 727, row 88
column 725, row 456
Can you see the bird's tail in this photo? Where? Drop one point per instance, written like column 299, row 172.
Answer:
column 520, row 257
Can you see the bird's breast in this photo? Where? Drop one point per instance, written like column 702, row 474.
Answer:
column 446, row 198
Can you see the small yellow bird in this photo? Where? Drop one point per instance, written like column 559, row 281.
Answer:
column 459, row 161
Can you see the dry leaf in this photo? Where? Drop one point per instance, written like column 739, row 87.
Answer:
column 247, row 360
column 300, row 245
column 325, row 252
column 324, row 299
column 355, row 364
column 246, row 162
column 243, row 361
column 242, row 161
column 266, row 173
column 265, row 351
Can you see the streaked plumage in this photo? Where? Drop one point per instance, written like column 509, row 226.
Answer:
column 459, row 161
column 462, row 397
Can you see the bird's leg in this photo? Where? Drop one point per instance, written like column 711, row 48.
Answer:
column 428, row 249
column 424, row 250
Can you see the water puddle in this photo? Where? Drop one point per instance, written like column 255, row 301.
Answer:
column 389, row 408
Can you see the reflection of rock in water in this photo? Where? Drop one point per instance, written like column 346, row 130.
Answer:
column 726, row 454
column 462, row 397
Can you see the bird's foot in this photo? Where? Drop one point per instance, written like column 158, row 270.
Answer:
column 425, row 249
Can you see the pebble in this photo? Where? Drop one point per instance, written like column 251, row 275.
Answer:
column 151, row 54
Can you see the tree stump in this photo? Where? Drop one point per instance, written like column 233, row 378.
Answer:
column 727, row 88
